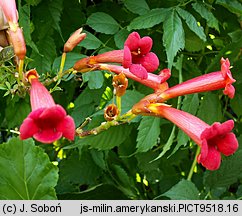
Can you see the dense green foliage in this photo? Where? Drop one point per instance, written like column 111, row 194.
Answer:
column 148, row 158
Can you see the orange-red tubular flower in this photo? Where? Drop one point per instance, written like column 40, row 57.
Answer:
column 74, row 39
column 213, row 140
column 208, row 82
column 10, row 11
column 153, row 81
column 137, row 56
column 48, row 121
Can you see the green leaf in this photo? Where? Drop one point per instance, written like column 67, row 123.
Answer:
column 124, row 180
column 105, row 140
column 24, row 20
column 130, row 98
column 55, row 8
column 26, row 172
column 122, row 175
column 192, row 42
column 99, row 157
column 95, row 79
column 228, row 173
column 207, row 15
column 33, row 2
column 102, row 22
column 210, row 109
column 173, row 37
column 75, row 171
column 43, row 61
column 236, row 104
column 149, row 131
column 190, row 103
column 232, row 5
column 120, row 38
column 90, row 42
column 183, row 190
column 16, row 112
column 150, row 19
column 139, row 7
column 86, row 104
column 192, row 23
column 47, row 17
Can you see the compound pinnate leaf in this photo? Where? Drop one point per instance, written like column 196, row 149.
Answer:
column 26, row 172
column 232, row 5
column 173, row 37
column 102, row 22
column 207, row 15
column 139, row 7
column 44, row 59
column 105, row 140
column 150, row 19
column 192, row 23
column 90, row 42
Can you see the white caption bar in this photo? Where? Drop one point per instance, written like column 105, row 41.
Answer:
column 121, row 207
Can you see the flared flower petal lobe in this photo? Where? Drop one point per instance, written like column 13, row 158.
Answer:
column 150, row 62
column 145, row 45
column 54, row 113
column 28, row 129
column 137, row 56
column 229, row 80
column 229, row 90
column 48, row 135
column 165, row 74
column 67, row 127
column 213, row 159
column 228, row 144
column 139, row 71
column 217, row 129
column 48, row 125
column 48, row 121
column 127, row 59
column 132, row 42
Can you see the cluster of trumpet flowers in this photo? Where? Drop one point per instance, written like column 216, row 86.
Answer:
column 215, row 139
column 49, row 121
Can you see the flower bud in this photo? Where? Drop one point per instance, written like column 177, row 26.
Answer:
column 120, row 84
column 74, row 39
column 111, row 112
column 10, row 11
column 17, row 40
